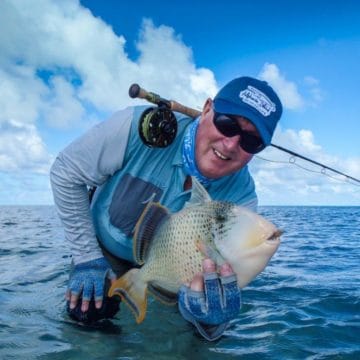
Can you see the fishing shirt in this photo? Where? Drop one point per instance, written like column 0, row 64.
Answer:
column 127, row 174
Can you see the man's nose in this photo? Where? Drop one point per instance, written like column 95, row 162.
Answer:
column 232, row 143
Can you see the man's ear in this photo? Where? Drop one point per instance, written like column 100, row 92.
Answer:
column 207, row 106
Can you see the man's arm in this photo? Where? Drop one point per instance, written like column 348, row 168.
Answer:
column 88, row 161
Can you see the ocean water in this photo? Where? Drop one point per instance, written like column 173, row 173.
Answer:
column 305, row 305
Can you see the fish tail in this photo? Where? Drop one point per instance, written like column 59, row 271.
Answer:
column 132, row 291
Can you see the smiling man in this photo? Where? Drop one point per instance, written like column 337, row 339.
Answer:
column 215, row 148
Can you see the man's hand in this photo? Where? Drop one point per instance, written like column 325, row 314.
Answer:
column 210, row 301
column 87, row 280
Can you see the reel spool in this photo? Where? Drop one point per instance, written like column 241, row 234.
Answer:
column 157, row 126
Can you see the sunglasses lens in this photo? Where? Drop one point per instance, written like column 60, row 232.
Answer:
column 229, row 127
column 251, row 144
column 226, row 125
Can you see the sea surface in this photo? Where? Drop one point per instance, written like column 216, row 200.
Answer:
column 304, row 305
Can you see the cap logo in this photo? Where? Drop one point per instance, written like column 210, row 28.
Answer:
column 258, row 100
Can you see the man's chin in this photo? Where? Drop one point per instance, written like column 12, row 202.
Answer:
column 214, row 174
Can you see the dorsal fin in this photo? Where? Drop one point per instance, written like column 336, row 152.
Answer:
column 152, row 216
column 199, row 195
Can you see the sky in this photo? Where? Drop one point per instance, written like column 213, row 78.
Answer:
column 67, row 65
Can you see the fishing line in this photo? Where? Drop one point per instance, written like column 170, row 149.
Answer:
column 292, row 161
column 158, row 128
column 324, row 167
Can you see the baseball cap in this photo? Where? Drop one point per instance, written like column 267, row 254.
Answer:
column 253, row 99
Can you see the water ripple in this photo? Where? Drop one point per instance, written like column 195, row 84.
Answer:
column 305, row 305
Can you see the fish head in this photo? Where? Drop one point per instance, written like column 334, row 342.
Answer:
column 247, row 242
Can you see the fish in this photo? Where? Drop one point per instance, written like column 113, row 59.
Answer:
column 170, row 247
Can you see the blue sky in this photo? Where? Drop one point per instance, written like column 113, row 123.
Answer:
column 65, row 66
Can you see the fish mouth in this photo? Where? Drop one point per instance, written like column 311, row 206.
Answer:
column 275, row 236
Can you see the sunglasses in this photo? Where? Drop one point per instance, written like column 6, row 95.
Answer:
column 229, row 127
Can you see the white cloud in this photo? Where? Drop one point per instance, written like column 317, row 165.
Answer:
column 57, row 61
column 62, row 109
column 20, row 94
column 286, row 179
column 22, row 149
column 287, row 90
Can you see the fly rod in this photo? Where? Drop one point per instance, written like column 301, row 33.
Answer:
column 158, row 126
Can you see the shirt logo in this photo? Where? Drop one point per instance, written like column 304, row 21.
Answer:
column 258, row 100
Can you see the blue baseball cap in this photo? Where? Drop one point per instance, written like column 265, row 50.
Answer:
column 253, row 99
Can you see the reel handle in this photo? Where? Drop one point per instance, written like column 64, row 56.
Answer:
column 135, row 91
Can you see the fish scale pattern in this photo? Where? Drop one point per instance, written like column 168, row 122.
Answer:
column 177, row 244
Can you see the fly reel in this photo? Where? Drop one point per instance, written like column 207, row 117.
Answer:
column 157, row 126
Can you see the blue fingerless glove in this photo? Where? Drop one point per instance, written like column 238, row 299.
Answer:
column 212, row 309
column 89, row 277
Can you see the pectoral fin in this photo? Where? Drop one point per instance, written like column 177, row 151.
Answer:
column 210, row 252
column 133, row 292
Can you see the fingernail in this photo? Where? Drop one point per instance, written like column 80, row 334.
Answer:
column 209, row 265
column 197, row 284
column 98, row 305
column 225, row 270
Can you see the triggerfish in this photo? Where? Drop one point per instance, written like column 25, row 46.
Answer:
column 171, row 247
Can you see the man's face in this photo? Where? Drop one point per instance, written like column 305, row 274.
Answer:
column 216, row 154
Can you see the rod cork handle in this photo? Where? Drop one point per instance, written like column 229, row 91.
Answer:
column 135, row 91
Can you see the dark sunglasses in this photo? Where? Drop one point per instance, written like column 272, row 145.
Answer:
column 229, row 127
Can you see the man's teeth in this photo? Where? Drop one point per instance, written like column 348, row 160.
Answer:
column 220, row 155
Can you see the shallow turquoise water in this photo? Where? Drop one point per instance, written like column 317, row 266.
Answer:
column 305, row 305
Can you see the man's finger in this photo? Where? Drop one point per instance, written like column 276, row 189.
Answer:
column 226, row 270
column 209, row 266
column 85, row 305
column 197, row 283
column 73, row 300
column 98, row 304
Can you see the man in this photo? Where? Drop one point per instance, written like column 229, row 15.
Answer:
column 215, row 148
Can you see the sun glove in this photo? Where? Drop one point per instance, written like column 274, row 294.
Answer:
column 91, row 280
column 212, row 309
column 88, row 279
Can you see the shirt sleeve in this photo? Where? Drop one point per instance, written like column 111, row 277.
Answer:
column 88, row 161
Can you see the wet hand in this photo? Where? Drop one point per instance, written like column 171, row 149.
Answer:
column 87, row 281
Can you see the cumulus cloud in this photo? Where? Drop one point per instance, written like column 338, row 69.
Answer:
column 287, row 90
column 21, row 148
column 286, row 179
column 59, row 66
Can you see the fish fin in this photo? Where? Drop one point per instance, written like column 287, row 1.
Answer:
column 165, row 296
column 133, row 292
column 199, row 195
column 210, row 252
column 152, row 216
